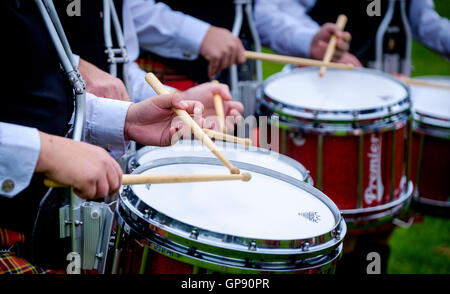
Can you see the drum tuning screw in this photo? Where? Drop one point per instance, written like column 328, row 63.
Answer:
column 252, row 246
column 305, row 246
column 194, row 234
column 337, row 234
column 147, row 213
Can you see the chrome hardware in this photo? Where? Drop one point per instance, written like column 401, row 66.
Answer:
column 252, row 246
column 194, row 234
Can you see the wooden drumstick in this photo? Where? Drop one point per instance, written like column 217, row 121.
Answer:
column 218, row 105
column 417, row 82
column 159, row 88
column 227, row 137
column 135, row 179
column 295, row 60
column 341, row 22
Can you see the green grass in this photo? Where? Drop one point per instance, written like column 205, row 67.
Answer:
column 425, row 247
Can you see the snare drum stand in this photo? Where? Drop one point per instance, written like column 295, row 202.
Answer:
column 88, row 224
column 245, row 91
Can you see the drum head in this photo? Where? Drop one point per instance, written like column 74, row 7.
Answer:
column 234, row 152
column 271, row 206
column 358, row 91
column 432, row 102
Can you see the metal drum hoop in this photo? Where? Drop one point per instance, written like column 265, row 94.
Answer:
column 212, row 242
column 212, row 262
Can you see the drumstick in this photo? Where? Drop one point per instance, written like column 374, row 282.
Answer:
column 218, row 105
column 159, row 88
column 228, row 138
column 295, row 60
column 416, row 82
column 136, row 179
column 341, row 22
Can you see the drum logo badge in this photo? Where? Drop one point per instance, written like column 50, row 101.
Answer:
column 311, row 216
column 374, row 190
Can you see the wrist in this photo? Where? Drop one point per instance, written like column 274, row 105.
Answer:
column 43, row 163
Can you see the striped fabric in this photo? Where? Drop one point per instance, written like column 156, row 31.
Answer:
column 9, row 263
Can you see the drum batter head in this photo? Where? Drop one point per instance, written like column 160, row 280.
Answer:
column 339, row 95
column 432, row 105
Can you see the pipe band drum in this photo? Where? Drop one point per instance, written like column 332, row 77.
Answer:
column 431, row 147
column 349, row 129
column 273, row 223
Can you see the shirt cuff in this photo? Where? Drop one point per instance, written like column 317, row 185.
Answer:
column 190, row 36
column 105, row 123
column 19, row 153
column 76, row 58
column 301, row 41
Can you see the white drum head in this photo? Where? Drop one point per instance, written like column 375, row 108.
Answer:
column 433, row 102
column 265, row 208
column 338, row 90
column 234, row 152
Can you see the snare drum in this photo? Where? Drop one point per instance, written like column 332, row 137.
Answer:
column 431, row 146
column 273, row 223
column 233, row 152
column 349, row 129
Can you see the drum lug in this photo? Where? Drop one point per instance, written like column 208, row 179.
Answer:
column 305, row 246
column 194, row 234
column 252, row 246
column 125, row 191
column 337, row 234
column 297, row 138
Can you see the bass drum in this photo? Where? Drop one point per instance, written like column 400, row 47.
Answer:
column 431, row 147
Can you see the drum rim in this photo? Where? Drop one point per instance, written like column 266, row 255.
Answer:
column 161, row 247
column 347, row 116
column 238, row 243
column 235, row 147
column 428, row 119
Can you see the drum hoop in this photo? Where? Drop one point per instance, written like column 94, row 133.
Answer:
column 210, row 261
column 232, row 146
column 331, row 115
column 238, row 243
column 431, row 129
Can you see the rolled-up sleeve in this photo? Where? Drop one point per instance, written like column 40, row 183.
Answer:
column 19, row 153
column 166, row 32
column 105, row 123
column 429, row 28
column 285, row 26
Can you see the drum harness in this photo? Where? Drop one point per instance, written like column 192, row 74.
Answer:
column 88, row 224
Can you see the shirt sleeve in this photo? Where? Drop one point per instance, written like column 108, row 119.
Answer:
column 19, row 153
column 166, row 32
column 429, row 28
column 105, row 122
column 285, row 27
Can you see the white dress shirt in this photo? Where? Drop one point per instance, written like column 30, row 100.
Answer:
column 285, row 26
column 20, row 146
column 157, row 28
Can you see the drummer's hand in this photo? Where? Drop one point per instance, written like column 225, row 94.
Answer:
column 89, row 169
column 205, row 94
column 222, row 49
column 349, row 58
column 153, row 122
column 101, row 83
column 322, row 38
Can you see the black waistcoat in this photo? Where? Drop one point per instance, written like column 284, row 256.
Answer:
column 85, row 32
column 218, row 13
column 362, row 26
column 35, row 94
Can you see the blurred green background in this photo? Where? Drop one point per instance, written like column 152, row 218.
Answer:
column 424, row 248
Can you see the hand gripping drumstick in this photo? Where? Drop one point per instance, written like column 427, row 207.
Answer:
column 341, row 22
column 218, row 105
column 295, row 60
column 228, row 138
column 135, row 179
column 159, row 88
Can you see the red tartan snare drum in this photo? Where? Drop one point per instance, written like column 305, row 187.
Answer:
column 274, row 223
column 431, row 146
column 349, row 129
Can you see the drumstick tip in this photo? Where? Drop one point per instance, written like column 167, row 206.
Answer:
column 235, row 171
column 246, row 177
